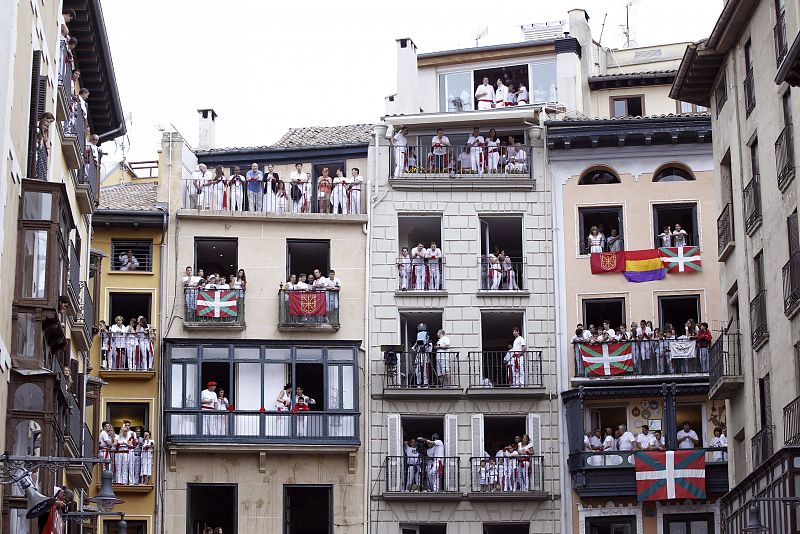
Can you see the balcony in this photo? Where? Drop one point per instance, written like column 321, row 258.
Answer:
column 749, row 92
column 74, row 281
column 612, row 473
column 419, row 479
column 505, row 373
column 226, row 199
column 127, row 356
column 83, row 323
column 502, row 168
column 518, row 478
column 248, row 429
column 762, row 446
column 213, row 308
column 791, row 423
column 725, row 371
column 791, row 285
column 80, row 474
column 132, row 468
column 752, row 204
column 781, row 41
column 65, row 90
column 725, row 242
column 634, row 360
column 420, row 276
column 506, row 277
column 73, row 136
column 784, row 157
column 424, row 374
column 759, row 331
column 308, row 310
column 87, row 191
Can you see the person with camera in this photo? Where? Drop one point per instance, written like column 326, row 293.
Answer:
column 422, row 358
column 434, row 449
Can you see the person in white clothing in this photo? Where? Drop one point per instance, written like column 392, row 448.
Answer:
column 236, row 184
column 118, row 330
column 515, row 360
column 440, row 146
column 144, row 336
column 271, row 179
column 645, row 440
column 418, row 271
column 435, row 467
column 128, row 262
column 626, row 439
column 494, row 273
column 147, row 457
column 719, row 442
column 404, row 268
column 476, row 144
column 434, row 257
column 400, row 144
column 520, row 159
column 442, row 361
column 608, row 440
column 679, row 236
column 522, row 95
column 200, row 180
column 412, row 463
column 464, row 161
column 687, row 438
column 299, row 190
column 500, row 94
column 121, row 456
column 208, row 403
column 339, row 194
column 484, row 94
column 511, row 97
column 493, row 151
column 354, row 188
column 665, row 237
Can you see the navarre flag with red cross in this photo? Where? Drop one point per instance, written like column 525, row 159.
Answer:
column 217, row 303
column 664, row 475
column 681, row 259
column 607, row 359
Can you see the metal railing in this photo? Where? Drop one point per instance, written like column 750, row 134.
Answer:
column 127, row 255
column 88, row 443
column 132, row 351
column 412, row 474
column 752, row 203
column 505, row 275
column 335, row 197
column 781, row 42
column 75, row 124
column 245, row 426
column 64, row 69
column 434, row 370
column 421, row 161
column 791, row 423
column 420, row 274
column 689, row 240
column 89, row 174
column 646, row 357
column 791, row 283
column 759, row 328
column 74, row 425
column 724, row 228
column 488, row 369
column 626, row 459
column 511, row 474
column 131, row 462
column 74, row 273
column 762, row 446
column 87, row 311
column 725, row 357
column 749, row 92
column 213, row 306
column 307, row 308
column 784, row 156
column 721, row 93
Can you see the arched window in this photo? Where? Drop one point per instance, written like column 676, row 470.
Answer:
column 672, row 174
column 29, row 397
column 600, row 175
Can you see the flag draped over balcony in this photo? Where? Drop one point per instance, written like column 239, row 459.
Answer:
column 607, row 359
column 607, row 262
column 643, row 266
column 682, row 348
column 681, row 259
column 663, row 475
column 307, row 302
column 217, row 303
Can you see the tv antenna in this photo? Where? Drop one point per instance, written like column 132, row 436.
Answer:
column 602, row 29
column 626, row 29
column 481, row 34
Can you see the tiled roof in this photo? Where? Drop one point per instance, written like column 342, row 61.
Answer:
column 646, row 117
column 129, row 197
column 351, row 134
column 667, row 72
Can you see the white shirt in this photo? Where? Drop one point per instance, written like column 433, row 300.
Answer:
column 443, row 343
column 437, row 451
column 719, row 442
column 475, row 142
column 608, row 443
column 418, row 255
column 595, row 442
column 104, row 439
column 645, row 441
column 298, row 177
column 519, row 344
column 412, row 454
column 520, row 156
column 685, row 439
column 301, row 286
column 464, row 160
column 320, row 283
column 485, row 92
column 208, row 399
column 523, row 93
column 440, row 145
column 434, row 255
column 586, row 443
column 501, row 93
column 626, row 441
column 333, row 282
column 400, row 139
column 680, row 237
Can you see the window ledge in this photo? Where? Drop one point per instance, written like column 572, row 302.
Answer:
column 421, row 293
column 176, row 446
column 729, row 246
column 421, row 393
column 761, row 341
column 318, row 327
column 190, row 213
column 419, row 496
column 131, row 488
column 121, row 374
column 213, row 325
column 503, row 293
column 506, row 392
column 509, row 496
column 754, row 226
column 129, row 272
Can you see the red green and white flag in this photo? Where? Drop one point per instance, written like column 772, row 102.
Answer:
column 217, row 303
column 664, row 475
column 607, row 359
column 681, row 259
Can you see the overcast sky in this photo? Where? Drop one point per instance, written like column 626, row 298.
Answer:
column 267, row 66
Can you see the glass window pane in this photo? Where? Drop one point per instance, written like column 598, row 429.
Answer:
column 215, row 353
column 620, row 109
column 176, row 380
column 25, row 346
column 677, row 528
column 192, row 393
column 698, row 527
column 455, row 92
column 37, row 206
column 278, row 354
column 29, row 397
column 183, row 353
column 275, row 377
column 34, row 263
column 246, row 353
column 543, row 84
column 248, row 386
column 341, row 354
column 308, row 354
column 348, row 389
column 333, row 387
column 19, row 524
column 686, row 107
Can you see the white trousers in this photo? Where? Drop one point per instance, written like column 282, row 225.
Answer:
column 400, row 160
column 419, row 276
column 405, row 273
column 436, row 276
column 494, row 159
column 236, row 200
column 476, row 160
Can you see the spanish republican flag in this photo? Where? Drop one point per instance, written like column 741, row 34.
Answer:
column 643, row 266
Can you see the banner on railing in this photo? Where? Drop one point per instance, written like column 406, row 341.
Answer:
column 217, row 303
column 664, row 475
column 682, row 348
column 607, row 262
column 607, row 359
column 307, row 302
column 681, row 259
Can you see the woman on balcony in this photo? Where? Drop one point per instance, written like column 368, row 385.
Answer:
column 493, row 148
column 270, row 189
column 132, row 344
column 324, row 188
column 147, row 457
column 354, row 191
column 339, row 195
column 281, row 199
column 145, row 338
column 43, row 144
column 118, row 340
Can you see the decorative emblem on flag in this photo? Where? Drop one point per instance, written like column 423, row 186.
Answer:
column 608, row 261
column 662, row 475
column 607, row 359
column 217, row 303
column 681, row 259
column 307, row 302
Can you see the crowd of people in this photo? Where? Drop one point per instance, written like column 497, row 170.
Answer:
column 506, row 93
column 130, row 451
column 265, row 192
column 193, row 283
column 421, row 268
column 479, row 155
column 597, row 241
column 128, row 347
column 316, row 281
column 651, row 348
column 622, row 439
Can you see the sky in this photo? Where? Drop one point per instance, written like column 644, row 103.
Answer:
column 267, row 66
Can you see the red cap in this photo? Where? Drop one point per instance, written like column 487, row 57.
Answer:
column 211, row 383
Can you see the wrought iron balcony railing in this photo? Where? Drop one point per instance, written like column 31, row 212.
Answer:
column 128, row 351
column 131, row 463
column 752, row 203
column 725, row 358
column 725, row 229
column 505, row 369
column 749, row 92
column 784, row 157
column 434, row 370
column 781, row 42
column 436, row 163
column 413, row 474
column 646, row 357
column 501, row 275
column 308, row 309
column 420, row 274
column 759, row 329
column 791, row 284
column 762, row 446
column 513, row 474
column 791, row 423
column 213, row 307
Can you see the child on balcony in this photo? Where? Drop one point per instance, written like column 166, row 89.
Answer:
column 147, row 457
column 118, row 341
column 105, row 344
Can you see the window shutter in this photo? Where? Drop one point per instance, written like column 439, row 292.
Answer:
column 394, row 451
column 451, row 452
column 533, row 427
column 477, row 435
column 33, row 119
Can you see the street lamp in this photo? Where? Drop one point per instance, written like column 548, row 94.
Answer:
column 106, row 499
column 754, row 523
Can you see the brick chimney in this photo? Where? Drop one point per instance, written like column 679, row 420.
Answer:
column 207, row 128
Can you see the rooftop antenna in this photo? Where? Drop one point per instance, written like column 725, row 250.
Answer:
column 602, row 29
column 626, row 30
column 481, row 33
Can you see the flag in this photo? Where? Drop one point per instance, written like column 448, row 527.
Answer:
column 307, row 303
column 662, row 475
column 607, row 359
column 217, row 303
column 643, row 266
column 681, row 259
column 682, row 348
column 607, row 262
column 54, row 524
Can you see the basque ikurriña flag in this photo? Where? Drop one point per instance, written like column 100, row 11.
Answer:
column 607, row 359
column 217, row 303
column 681, row 259
column 663, row 475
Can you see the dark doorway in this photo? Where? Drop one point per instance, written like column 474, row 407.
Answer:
column 111, row 526
column 135, row 412
column 415, row 427
column 507, row 528
column 409, row 321
column 611, row 525
column 423, row 529
column 211, row 505
column 678, row 310
column 308, row 509
column 309, row 377
column 603, row 417
column 413, row 230
column 595, row 311
column 219, row 372
column 515, row 74
column 128, row 305
column 499, row 431
column 502, row 234
column 216, row 256
column 496, row 329
column 303, row 256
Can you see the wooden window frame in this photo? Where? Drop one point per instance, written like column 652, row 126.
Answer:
column 611, row 100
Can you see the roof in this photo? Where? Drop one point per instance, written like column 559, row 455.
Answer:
column 351, row 134
column 705, row 114
column 632, row 79
column 129, row 197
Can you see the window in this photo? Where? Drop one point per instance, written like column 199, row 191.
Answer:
column 211, row 505
column 689, row 524
column 455, row 91
column 543, row 87
column 129, row 306
column 749, row 80
column 37, row 206
column 496, row 340
column 786, row 100
column 595, row 311
column 111, row 526
column 676, row 310
column 511, row 74
column 755, row 168
column 131, row 255
column 688, row 107
column 303, row 256
column 34, row 263
column 605, row 219
column 599, row 176
column 411, row 319
column 499, row 431
column 721, row 93
column 793, row 233
column 307, row 509
column 423, row 529
column 781, row 42
column 506, row 528
column 501, row 236
column 672, row 174
column 216, row 256
column 671, row 218
column 137, row 413
column 765, row 402
column 758, row 272
column 414, row 231
column 611, row 525
column 627, row 106
column 603, row 417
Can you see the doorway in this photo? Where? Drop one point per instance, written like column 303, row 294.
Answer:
column 309, row 376
column 216, row 255
column 211, row 505
column 694, row 415
column 127, row 305
column 308, row 509
column 303, row 256
column 607, row 416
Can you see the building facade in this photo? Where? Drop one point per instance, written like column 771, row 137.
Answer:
column 746, row 72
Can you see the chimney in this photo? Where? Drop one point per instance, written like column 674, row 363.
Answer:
column 405, row 101
column 207, row 128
